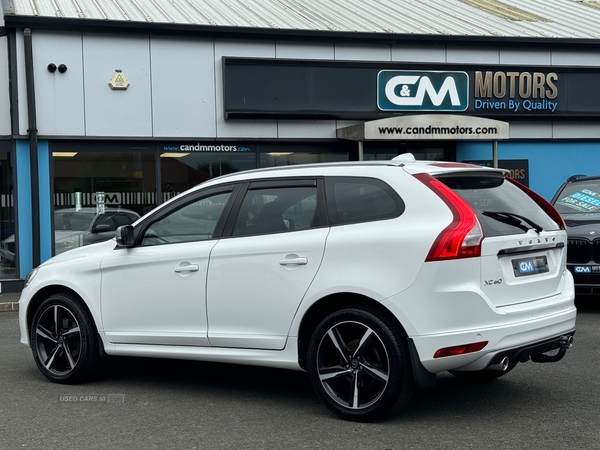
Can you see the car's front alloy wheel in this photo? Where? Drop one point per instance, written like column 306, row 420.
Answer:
column 63, row 339
column 359, row 365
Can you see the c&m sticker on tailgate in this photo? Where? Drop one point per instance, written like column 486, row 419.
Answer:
column 530, row 266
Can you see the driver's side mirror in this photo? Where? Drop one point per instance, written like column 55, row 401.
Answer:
column 125, row 236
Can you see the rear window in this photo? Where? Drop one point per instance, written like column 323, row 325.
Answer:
column 579, row 201
column 502, row 208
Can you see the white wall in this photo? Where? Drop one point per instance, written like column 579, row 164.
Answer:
column 177, row 86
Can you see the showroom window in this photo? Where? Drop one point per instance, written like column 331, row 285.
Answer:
column 7, row 214
column 95, row 191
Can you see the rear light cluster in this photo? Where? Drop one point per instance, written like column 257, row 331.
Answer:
column 462, row 238
column 460, row 349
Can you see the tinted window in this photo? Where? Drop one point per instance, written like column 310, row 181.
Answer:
column 106, row 219
column 193, row 222
column 276, row 210
column 123, row 219
column 357, row 199
column 493, row 194
column 73, row 220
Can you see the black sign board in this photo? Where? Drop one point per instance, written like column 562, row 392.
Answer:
column 277, row 88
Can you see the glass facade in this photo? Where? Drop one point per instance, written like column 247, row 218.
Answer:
column 97, row 186
column 7, row 213
column 422, row 150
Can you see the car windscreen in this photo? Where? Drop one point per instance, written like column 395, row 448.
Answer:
column 579, row 201
column 502, row 208
column 72, row 220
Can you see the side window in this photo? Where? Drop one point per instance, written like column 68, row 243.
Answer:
column 122, row 219
column 105, row 223
column 358, row 199
column 276, row 210
column 192, row 222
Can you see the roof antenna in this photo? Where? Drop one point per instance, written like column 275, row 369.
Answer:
column 405, row 158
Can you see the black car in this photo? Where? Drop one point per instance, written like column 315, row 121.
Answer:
column 578, row 202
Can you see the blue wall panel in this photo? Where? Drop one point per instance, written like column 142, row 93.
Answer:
column 24, row 207
column 24, row 226
column 550, row 163
column 45, row 201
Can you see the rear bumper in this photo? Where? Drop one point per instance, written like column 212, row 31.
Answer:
column 520, row 340
column 535, row 352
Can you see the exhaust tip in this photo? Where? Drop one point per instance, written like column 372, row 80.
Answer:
column 502, row 366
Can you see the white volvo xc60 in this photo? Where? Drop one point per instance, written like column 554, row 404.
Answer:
column 371, row 276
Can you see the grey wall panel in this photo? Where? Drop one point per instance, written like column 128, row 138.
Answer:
column 349, row 52
column 296, row 50
column 470, row 55
column 414, row 53
column 183, row 87
column 531, row 57
column 241, row 128
column 59, row 96
column 574, row 57
column 347, row 123
column 5, row 127
column 530, row 130
column 22, row 87
column 117, row 112
column 576, row 130
column 304, row 129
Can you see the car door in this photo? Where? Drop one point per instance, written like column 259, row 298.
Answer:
column 259, row 275
column 154, row 292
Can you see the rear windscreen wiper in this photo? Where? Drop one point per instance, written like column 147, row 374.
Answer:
column 513, row 219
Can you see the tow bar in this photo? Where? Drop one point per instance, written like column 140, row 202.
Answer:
column 565, row 342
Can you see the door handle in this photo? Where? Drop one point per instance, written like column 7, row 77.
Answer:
column 189, row 268
column 299, row 261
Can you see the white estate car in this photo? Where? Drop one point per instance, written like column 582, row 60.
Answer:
column 371, row 276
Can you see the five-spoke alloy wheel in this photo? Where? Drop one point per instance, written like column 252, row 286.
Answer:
column 358, row 365
column 63, row 339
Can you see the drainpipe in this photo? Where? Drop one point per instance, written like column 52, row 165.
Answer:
column 33, row 148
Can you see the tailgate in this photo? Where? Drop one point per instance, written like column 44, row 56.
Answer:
column 522, row 268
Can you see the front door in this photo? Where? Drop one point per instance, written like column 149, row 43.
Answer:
column 154, row 293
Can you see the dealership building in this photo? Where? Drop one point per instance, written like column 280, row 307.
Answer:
column 122, row 104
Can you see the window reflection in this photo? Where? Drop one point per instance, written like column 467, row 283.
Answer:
column 95, row 192
column 181, row 171
column 7, row 218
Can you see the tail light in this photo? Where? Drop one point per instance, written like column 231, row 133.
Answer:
column 462, row 238
column 460, row 349
column 542, row 203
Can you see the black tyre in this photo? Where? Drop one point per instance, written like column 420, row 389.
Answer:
column 359, row 365
column 63, row 339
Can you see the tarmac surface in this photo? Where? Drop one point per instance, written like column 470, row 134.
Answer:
column 9, row 301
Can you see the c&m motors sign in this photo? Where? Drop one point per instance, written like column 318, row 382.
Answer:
column 404, row 90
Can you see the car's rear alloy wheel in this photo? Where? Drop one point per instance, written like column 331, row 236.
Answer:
column 359, row 365
column 63, row 339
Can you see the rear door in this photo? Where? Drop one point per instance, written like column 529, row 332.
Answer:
column 258, row 276
column 524, row 251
